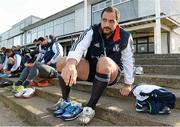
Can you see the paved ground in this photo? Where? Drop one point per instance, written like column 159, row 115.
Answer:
column 9, row 118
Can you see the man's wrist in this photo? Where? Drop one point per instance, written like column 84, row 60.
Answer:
column 71, row 62
column 126, row 84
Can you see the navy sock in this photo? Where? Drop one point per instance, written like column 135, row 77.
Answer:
column 99, row 84
column 26, row 83
column 18, row 83
column 64, row 89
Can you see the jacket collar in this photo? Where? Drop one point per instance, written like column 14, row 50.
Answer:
column 116, row 34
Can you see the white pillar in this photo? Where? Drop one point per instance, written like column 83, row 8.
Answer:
column 157, row 30
column 85, row 14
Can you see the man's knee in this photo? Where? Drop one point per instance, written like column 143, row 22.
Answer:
column 60, row 64
column 105, row 65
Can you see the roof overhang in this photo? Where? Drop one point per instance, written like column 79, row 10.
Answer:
column 167, row 21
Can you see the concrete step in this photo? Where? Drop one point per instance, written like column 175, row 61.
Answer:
column 9, row 118
column 157, row 55
column 170, row 81
column 33, row 110
column 116, row 110
column 157, row 61
column 113, row 91
column 161, row 69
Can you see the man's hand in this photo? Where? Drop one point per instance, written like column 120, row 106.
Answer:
column 69, row 72
column 125, row 90
column 28, row 64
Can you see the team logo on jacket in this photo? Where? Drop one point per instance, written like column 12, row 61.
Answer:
column 116, row 48
column 97, row 45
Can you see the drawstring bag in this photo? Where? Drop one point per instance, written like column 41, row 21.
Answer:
column 158, row 99
column 155, row 98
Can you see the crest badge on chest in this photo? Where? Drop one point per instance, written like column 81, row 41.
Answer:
column 116, row 48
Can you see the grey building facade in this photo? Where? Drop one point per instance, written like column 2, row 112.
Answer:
column 137, row 17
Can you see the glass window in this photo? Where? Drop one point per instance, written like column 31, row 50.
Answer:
column 34, row 36
column 151, row 48
column 68, row 23
column 99, row 6
column 56, row 22
column 28, row 41
column 108, row 3
column 51, row 24
column 69, row 27
column 116, row 1
column 142, row 48
column 34, row 30
column 96, row 17
column 68, row 17
column 60, row 20
column 134, row 48
column 102, row 5
column 151, row 39
column 119, row 1
column 128, row 10
column 65, row 19
column 41, row 27
column 58, row 30
column 41, row 33
column 96, row 11
column 46, row 25
column 17, row 40
column 49, row 31
column 94, row 8
column 142, row 40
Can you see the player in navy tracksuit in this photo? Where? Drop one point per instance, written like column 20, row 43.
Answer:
column 14, row 62
column 97, row 56
column 46, row 67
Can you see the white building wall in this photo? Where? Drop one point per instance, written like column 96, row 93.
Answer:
column 164, row 43
column 174, row 42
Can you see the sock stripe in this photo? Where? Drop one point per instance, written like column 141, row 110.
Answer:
column 102, row 79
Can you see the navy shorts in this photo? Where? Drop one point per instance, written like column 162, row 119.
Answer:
column 92, row 72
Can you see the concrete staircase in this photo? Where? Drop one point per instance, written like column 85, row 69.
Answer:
column 112, row 109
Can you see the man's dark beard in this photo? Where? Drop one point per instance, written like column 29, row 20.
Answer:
column 109, row 30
